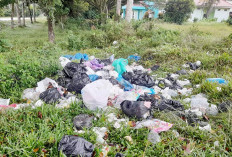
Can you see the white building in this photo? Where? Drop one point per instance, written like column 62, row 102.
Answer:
column 222, row 9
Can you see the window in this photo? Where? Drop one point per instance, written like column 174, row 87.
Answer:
column 219, row 9
column 225, row 9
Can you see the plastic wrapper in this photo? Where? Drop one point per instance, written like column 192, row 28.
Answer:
column 120, row 65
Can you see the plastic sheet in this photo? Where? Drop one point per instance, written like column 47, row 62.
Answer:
column 138, row 109
column 94, row 64
column 134, row 57
column 127, row 85
column 77, row 56
column 4, row 102
column 93, row 77
column 75, row 146
column 30, row 94
column 72, row 68
column 217, row 80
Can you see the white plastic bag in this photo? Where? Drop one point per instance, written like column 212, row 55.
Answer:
column 95, row 95
column 30, row 94
column 43, row 85
column 131, row 96
column 64, row 61
column 4, row 102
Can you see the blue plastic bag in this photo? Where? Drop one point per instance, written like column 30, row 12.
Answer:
column 127, row 85
column 93, row 77
column 133, row 57
column 77, row 56
column 217, row 80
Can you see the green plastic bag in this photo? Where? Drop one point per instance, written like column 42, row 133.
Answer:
column 120, row 65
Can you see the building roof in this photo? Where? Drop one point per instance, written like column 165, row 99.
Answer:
column 141, row 5
column 218, row 4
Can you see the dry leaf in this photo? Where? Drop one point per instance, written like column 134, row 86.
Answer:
column 40, row 115
column 36, row 150
column 131, row 123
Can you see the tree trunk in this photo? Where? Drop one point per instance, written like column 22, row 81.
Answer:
column 23, row 14
column 30, row 12
column 34, row 14
column 129, row 11
column 51, row 34
column 209, row 11
column 118, row 8
column 12, row 16
column 18, row 14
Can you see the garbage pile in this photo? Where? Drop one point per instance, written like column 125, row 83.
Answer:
column 105, row 83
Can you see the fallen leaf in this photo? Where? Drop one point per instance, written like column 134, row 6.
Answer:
column 131, row 123
column 40, row 115
column 44, row 150
column 35, row 150
column 187, row 149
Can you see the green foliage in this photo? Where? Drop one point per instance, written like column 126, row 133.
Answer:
column 4, row 45
column 178, row 11
column 229, row 21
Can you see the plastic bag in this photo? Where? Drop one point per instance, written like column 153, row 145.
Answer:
column 72, row 68
column 43, row 85
column 95, row 95
column 154, row 125
column 127, row 85
column 153, row 137
column 120, row 65
column 93, row 77
column 30, row 94
column 199, row 101
column 194, row 66
column 223, row 107
column 131, row 96
column 5, row 102
column 217, row 80
column 73, row 146
column 50, row 96
column 94, row 64
column 64, row 61
column 82, row 121
column 101, row 132
column 77, row 56
column 138, row 109
column 139, row 78
column 79, row 81
column 134, row 57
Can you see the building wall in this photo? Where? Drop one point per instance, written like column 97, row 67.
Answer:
column 222, row 14
column 197, row 13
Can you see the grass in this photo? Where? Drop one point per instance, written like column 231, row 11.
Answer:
column 31, row 58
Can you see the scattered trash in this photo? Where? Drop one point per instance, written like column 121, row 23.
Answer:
column 223, row 107
column 129, row 95
column 95, row 95
column 134, row 57
column 216, row 144
column 50, row 96
column 93, row 77
column 120, row 65
column 138, row 109
column 64, row 61
column 8, row 106
column 182, row 72
column 194, row 66
column 30, row 94
column 139, row 78
column 82, row 121
column 155, row 67
column 169, row 93
column 43, row 85
column 77, row 56
column 154, row 125
column 129, row 139
column 154, row 137
column 176, row 134
column 100, row 132
column 127, row 85
column 204, row 126
column 199, row 101
column 212, row 110
column 75, row 146
column 117, row 122
column 119, row 155
column 4, row 102
column 217, row 80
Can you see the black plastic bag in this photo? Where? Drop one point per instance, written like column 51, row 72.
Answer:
column 155, row 67
column 135, row 109
column 223, row 107
column 50, row 96
column 193, row 66
column 160, row 103
column 78, row 82
column 113, row 81
column 174, row 85
column 182, row 72
column 73, row 146
column 63, row 79
column 119, row 155
column 105, row 61
column 139, row 78
column 82, row 121
column 72, row 68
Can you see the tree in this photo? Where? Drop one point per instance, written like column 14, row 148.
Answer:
column 34, row 12
column 23, row 14
column 18, row 13
column 4, row 3
column 178, row 11
column 48, row 7
column 129, row 11
column 208, row 6
column 28, row 4
column 118, row 8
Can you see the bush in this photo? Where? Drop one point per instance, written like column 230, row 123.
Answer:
column 229, row 21
column 178, row 11
column 4, row 45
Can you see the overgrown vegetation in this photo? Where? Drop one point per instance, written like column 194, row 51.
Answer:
column 28, row 58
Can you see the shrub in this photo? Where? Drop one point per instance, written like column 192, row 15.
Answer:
column 160, row 15
column 178, row 11
column 229, row 21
